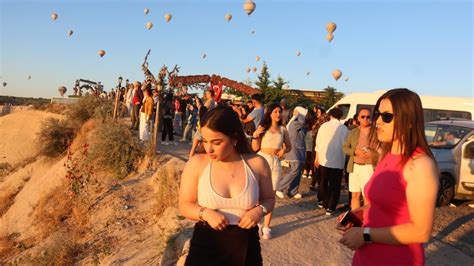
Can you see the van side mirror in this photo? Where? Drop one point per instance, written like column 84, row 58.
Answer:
column 469, row 150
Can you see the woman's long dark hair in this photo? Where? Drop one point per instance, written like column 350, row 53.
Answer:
column 223, row 119
column 267, row 117
column 409, row 124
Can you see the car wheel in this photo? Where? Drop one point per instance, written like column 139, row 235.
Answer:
column 446, row 190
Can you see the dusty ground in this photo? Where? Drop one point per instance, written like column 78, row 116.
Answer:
column 116, row 222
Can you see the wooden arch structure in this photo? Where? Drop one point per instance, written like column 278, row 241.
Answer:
column 179, row 81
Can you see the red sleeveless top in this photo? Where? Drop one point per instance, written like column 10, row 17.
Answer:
column 388, row 207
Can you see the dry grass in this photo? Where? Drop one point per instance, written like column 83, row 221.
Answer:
column 114, row 148
column 166, row 185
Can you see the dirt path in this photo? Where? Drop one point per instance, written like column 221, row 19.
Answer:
column 304, row 235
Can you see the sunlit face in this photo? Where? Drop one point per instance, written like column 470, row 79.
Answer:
column 217, row 145
column 385, row 130
column 208, row 95
column 318, row 112
column 364, row 118
column 276, row 114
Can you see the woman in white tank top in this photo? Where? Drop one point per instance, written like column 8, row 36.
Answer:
column 227, row 190
column 272, row 141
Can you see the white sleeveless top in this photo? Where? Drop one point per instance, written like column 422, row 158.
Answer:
column 232, row 208
column 272, row 140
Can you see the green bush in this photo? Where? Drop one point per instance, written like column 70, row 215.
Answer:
column 54, row 137
column 113, row 148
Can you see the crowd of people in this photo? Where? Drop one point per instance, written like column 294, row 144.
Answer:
column 235, row 172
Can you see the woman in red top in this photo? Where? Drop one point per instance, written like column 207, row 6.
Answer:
column 402, row 191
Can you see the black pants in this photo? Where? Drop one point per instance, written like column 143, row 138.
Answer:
column 330, row 187
column 316, row 176
column 136, row 117
column 309, row 163
column 234, row 246
column 167, row 129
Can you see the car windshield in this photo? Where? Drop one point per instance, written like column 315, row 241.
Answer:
column 444, row 136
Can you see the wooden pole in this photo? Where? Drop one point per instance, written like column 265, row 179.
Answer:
column 157, row 119
column 116, row 104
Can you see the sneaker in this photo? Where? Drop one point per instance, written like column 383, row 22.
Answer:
column 280, row 194
column 329, row 212
column 167, row 143
column 321, row 206
column 310, row 177
column 266, row 233
column 297, row 196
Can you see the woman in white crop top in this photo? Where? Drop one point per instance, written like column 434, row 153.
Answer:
column 272, row 141
column 227, row 190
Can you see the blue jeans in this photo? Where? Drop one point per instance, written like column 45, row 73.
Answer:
column 291, row 180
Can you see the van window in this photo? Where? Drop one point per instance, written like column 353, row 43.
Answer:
column 345, row 110
column 434, row 114
column 365, row 106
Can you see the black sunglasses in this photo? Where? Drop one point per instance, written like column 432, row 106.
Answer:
column 386, row 116
column 365, row 116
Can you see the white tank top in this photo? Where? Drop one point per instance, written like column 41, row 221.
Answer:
column 232, row 208
column 272, row 140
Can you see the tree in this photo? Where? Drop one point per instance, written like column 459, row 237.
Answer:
column 275, row 93
column 331, row 96
column 263, row 82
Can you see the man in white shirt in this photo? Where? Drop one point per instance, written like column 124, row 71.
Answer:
column 330, row 159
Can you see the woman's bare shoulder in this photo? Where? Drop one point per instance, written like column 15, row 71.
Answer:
column 197, row 162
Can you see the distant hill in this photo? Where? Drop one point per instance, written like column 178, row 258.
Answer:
column 16, row 101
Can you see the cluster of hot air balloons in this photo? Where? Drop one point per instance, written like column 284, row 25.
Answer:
column 330, row 27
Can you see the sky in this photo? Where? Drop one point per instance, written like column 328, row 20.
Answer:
column 422, row 45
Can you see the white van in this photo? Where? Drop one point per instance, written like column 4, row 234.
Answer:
column 434, row 108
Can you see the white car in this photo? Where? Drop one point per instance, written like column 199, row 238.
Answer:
column 452, row 144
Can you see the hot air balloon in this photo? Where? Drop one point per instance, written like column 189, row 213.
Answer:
column 29, row 77
column 146, row 10
column 4, row 84
column 249, row 7
column 62, row 90
column 204, row 56
column 149, row 25
column 253, row 32
column 257, row 58
column 248, row 69
column 331, row 27
column 54, row 16
column 329, row 37
column 307, row 73
column 337, row 74
column 346, row 79
column 254, row 69
column 168, row 17
column 101, row 53
column 228, row 17
column 298, row 53
column 70, row 33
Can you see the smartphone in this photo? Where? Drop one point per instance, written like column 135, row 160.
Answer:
column 350, row 217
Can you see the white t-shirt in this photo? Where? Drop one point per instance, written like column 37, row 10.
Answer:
column 257, row 115
column 331, row 137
